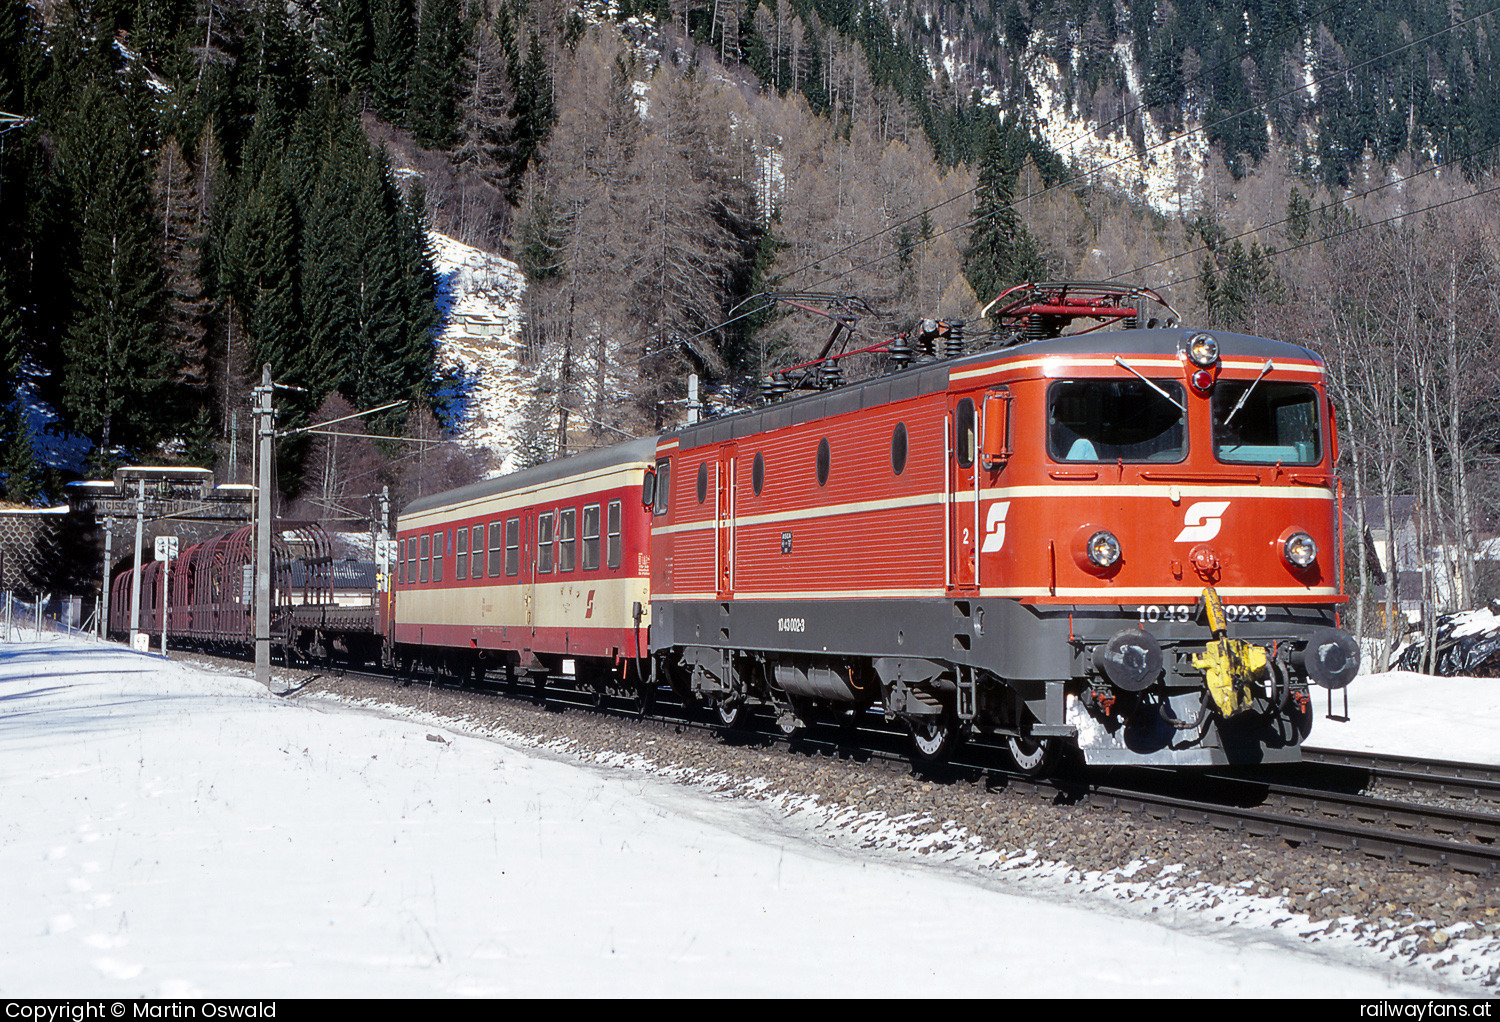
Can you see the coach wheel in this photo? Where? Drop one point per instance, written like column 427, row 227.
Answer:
column 1032, row 756
column 934, row 736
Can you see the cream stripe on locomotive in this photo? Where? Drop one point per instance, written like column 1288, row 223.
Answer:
column 1061, row 362
column 586, row 488
column 1169, row 492
column 1185, row 594
column 555, row 604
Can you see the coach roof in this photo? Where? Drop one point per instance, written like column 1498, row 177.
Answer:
column 632, row 452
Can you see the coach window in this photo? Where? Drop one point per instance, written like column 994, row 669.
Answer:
column 565, row 539
column 461, row 555
column 513, row 547
column 591, row 538
column 494, row 566
column 411, row 563
column 613, row 549
column 1116, row 420
column 964, row 428
column 426, row 556
column 898, row 448
column 401, row 563
column 544, row 542
column 438, row 540
column 824, row 458
column 476, row 544
column 663, row 479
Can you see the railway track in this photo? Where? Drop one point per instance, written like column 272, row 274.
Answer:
column 1471, row 781
column 1332, row 813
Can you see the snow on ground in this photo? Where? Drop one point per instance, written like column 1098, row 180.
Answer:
column 1415, row 715
column 170, row 833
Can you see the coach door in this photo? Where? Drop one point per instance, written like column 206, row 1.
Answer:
column 724, row 518
column 961, row 473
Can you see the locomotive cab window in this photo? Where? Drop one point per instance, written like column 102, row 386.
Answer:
column 1116, row 420
column 663, row 479
column 1260, row 422
column 963, row 425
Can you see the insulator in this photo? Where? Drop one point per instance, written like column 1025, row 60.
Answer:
column 830, row 374
column 899, row 352
column 775, row 386
column 953, row 344
column 1035, row 331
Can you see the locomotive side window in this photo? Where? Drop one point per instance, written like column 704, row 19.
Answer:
column 613, row 546
column 663, row 478
column 437, row 555
column 494, row 569
column 544, row 542
column 461, row 555
column 758, row 473
column 966, row 434
column 513, row 546
column 1265, row 423
column 898, row 449
column 1116, row 420
column 565, row 540
column 426, row 556
column 702, row 481
column 591, row 537
column 824, row 458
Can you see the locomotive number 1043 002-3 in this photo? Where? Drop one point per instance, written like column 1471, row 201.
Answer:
column 1186, row 612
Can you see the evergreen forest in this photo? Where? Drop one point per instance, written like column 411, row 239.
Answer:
column 190, row 189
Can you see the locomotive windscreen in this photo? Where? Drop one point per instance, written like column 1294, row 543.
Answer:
column 1116, row 420
column 1258, row 421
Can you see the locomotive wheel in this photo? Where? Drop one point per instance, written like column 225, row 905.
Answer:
column 934, row 736
column 1033, row 756
column 729, row 714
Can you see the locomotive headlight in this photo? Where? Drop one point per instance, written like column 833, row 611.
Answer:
column 1103, row 548
column 1203, row 350
column 1299, row 549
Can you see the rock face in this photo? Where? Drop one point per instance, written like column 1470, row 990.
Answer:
column 480, row 297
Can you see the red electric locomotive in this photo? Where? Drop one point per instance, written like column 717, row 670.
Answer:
column 1123, row 542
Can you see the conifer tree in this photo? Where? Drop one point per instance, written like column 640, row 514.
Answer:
column 116, row 376
column 1001, row 252
column 433, row 97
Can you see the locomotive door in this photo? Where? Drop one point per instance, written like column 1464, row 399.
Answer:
column 724, row 521
column 961, row 475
